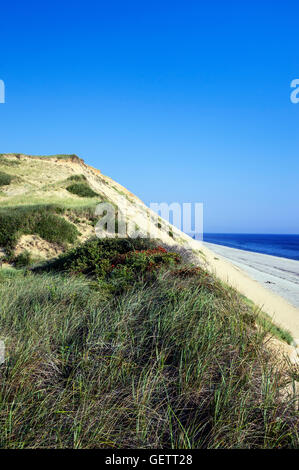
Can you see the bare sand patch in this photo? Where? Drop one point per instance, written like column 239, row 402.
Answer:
column 37, row 247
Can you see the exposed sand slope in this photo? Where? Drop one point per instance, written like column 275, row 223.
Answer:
column 281, row 311
column 43, row 180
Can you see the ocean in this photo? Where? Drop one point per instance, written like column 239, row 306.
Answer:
column 285, row 246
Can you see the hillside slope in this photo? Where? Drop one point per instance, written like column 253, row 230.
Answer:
column 43, row 212
column 119, row 342
column 37, row 182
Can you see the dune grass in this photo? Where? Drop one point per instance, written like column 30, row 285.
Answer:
column 32, row 199
column 175, row 362
column 266, row 323
column 8, row 162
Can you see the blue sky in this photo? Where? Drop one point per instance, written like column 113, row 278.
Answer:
column 177, row 100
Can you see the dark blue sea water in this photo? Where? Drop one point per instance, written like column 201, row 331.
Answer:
column 285, row 246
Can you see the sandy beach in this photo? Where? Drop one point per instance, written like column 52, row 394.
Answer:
column 281, row 275
column 272, row 283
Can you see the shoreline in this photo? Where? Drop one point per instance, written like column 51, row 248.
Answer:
column 280, row 275
column 248, row 250
column 241, row 274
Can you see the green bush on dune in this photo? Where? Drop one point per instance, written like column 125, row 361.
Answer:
column 5, row 179
column 40, row 220
column 23, row 259
column 118, row 262
column 89, row 257
column 77, row 178
column 81, row 189
column 53, row 228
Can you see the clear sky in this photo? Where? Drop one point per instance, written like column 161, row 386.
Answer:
column 177, row 100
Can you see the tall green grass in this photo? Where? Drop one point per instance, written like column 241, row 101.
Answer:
column 177, row 363
column 265, row 322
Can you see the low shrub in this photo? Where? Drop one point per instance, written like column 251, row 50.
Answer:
column 77, row 178
column 89, row 257
column 140, row 264
column 23, row 259
column 5, row 179
column 52, row 228
column 141, row 261
column 119, row 262
column 82, row 190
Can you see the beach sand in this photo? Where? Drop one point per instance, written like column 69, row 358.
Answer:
column 281, row 275
column 272, row 283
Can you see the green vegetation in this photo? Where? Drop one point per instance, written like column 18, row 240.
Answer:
column 174, row 362
column 42, row 199
column 10, row 273
column 55, row 229
column 119, row 191
column 5, row 179
column 118, row 344
column 265, row 322
column 23, row 259
column 116, row 263
column 8, row 161
column 58, row 156
column 81, row 189
column 77, row 213
column 76, row 178
column 41, row 220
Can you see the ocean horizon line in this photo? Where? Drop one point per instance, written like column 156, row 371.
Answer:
column 280, row 245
